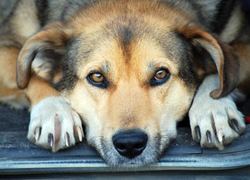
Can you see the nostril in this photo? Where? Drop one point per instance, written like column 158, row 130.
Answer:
column 130, row 143
column 121, row 147
column 140, row 146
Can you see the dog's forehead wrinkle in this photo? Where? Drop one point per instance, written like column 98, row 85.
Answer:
column 171, row 44
column 126, row 35
column 151, row 67
column 84, row 47
column 126, row 31
column 106, row 67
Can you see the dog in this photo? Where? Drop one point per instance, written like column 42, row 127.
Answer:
column 128, row 71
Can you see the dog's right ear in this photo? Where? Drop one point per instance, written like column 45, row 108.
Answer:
column 225, row 60
column 46, row 46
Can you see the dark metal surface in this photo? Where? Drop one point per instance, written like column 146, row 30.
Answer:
column 19, row 156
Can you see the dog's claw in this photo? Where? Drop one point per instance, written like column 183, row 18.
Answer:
column 234, row 125
column 197, row 134
column 51, row 140
column 220, row 137
column 37, row 133
column 79, row 133
column 209, row 137
column 67, row 139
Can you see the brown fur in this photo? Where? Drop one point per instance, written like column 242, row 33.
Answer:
column 243, row 52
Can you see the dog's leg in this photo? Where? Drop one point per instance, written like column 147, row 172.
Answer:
column 53, row 123
column 214, row 123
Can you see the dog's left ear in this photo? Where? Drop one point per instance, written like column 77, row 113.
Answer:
column 46, row 48
column 226, row 61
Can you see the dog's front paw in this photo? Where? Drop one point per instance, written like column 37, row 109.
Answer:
column 54, row 125
column 214, row 123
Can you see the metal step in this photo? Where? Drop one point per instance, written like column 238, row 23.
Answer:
column 19, row 156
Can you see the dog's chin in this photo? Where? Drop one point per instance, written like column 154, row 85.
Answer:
column 149, row 156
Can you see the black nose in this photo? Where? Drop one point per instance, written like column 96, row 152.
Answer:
column 130, row 143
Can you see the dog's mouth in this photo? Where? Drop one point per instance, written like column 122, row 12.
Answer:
column 130, row 148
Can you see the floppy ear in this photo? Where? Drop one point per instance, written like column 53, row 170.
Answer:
column 45, row 49
column 226, row 61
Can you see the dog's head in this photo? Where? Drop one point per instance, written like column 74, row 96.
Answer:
column 131, row 72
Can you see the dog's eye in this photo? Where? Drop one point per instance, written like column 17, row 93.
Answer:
column 160, row 77
column 97, row 79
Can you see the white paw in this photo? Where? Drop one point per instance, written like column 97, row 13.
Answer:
column 214, row 123
column 54, row 125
